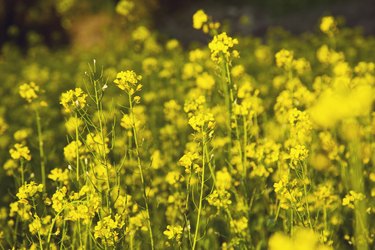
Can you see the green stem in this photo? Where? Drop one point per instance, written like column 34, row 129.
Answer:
column 201, row 195
column 141, row 171
column 41, row 149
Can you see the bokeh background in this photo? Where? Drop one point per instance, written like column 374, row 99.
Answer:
column 85, row 23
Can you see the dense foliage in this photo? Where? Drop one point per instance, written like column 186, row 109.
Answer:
column 242, row 143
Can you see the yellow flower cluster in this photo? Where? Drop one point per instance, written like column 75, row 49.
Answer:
column 128, row 81
column 221, row 48
column 29, row 91
column 173, row 232
column 20, row 151
column 73, row 100
column 106, row 229
column 352, row 198
column 28, row 190
column 328, row 25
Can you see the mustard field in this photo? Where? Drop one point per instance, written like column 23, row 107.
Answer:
column 239, row 143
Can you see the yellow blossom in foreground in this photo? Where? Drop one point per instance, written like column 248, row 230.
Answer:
column 302, row 239
column 340, row 104
column 20, row 151
column 29, row 91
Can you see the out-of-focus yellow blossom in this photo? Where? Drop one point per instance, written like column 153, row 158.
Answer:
column 21, row 135
column 29, row 91
column 199, row 19
column 302, row 239
column 125, row 7
column 128, row 81
column 141, row 34
column 339, row 104
column 3, row 126
column 239, row 226
column 342, row 69
column 328, row 56
column 301, row 65
column 352, row 198
column 221, row 48
column 173, row 232
column 328, row 25
column 72, row 124
column 284, row 59
column 28, row 190
column 57, row 174
column 149, row 65
column 10, row 166
column 223, row 179
column 263, row 54
column 205, row 81
column 70, row 150
column 20, row 151
column 172, row 44
column 73, row 99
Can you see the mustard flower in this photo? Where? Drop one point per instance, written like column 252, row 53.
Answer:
column 173, row 232
column 284, row 59
column 73, row 99
column 222, row 46
column 20, row 151
column 28, row 190
column 128, row 81
column 328, row 25
column 199, row 19
column 29, row 91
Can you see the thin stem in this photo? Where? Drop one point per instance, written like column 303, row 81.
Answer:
column 41, row 149
column 201, row 195
column 141, row 171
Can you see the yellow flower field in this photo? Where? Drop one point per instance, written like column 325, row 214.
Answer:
column 239, row 143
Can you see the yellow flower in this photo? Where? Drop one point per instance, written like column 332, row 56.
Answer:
column 124, row 7
column 221, row 47
column 20, row 151
column 29, row 91
column 128, row 81
column 199, row 19
column 57, row 174
column 73, row 99
column 28, row 190
column 205, row 81
column 284, row 59
column 173, row 232
column 328, row 25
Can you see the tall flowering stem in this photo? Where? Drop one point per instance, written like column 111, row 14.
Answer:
column 128, row 81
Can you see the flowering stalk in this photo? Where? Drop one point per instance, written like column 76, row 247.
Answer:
column 201, row 191
column 141, row 170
